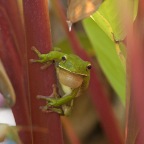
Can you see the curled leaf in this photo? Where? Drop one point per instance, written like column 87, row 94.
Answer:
column 78, row 10
column 7, row 94
column 10, row 133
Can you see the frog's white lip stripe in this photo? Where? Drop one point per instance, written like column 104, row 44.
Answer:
column 73, row 72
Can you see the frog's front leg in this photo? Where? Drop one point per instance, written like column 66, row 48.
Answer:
column 48, row 57
column 43, row 58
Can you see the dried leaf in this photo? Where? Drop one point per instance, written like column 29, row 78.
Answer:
column 77, row 9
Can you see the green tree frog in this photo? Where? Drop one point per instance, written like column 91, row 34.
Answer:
column 73, row 76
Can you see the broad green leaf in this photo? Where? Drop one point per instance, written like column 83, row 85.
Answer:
column 105, row 50
column 115, row 16
column 108, row 25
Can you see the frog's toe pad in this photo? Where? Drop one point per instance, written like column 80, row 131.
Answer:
column 42, row 97
column 33, row 60
column 47, row 109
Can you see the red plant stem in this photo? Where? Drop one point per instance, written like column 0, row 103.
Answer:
column 135, row 44
column 100, row 100
column 11, row 47
column 37, row 26
column 69, row 131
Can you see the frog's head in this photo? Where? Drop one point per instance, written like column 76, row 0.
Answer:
column 75, row 64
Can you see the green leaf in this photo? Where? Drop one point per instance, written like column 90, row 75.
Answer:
column 108, row 25
column 114, row 17
column 105, row 50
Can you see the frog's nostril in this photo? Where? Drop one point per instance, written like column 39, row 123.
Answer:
column 64, row 58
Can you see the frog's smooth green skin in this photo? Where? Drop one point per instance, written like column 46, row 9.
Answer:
column 6, row 89
column 73, row 75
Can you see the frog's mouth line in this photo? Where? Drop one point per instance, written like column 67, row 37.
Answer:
column 73, row 72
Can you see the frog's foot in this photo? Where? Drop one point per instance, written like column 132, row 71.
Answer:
column 41, row 59
column 53, row 95
column 39, row 56
column 46, row 65
column 52, row 102
column 48, row 109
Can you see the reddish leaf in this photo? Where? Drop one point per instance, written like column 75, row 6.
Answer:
column 11, row 52
column 37, row 26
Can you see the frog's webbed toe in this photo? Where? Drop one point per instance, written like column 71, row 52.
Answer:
column 51, row 101
column 48, row 109
column 36, row 51
column 54, row 94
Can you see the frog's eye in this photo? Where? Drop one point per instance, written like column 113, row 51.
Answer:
column 89, row 66
column 64, row 58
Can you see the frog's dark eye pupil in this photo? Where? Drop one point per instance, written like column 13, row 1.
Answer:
column 63, row 58
column 89, row 67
